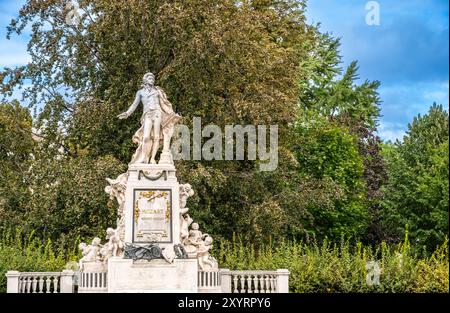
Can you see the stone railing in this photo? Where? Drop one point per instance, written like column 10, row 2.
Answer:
column 40, row 282
column 93, row 278
column 95, row 281
column 255, row 281
column 209, row 282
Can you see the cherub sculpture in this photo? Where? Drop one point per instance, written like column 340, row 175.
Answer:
column 186, row 221
column 116, row 189
column 205, row 260
column 186, row 191
column 91, row 253
column 115, row 244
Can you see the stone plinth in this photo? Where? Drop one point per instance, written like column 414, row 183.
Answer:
column 141, row 276
column 152, row 188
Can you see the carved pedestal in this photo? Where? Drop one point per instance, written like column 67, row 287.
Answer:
column 126, row 275
column 152, row 206
column 153, row 260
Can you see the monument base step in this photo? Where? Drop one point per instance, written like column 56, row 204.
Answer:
column 125, row 276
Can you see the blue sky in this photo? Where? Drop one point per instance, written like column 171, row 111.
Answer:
column 408, row 52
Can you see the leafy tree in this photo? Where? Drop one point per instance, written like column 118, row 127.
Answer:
column 328, row 154
column 229, row 62
column 334, row 95
column 16, row 147
column 417, row 194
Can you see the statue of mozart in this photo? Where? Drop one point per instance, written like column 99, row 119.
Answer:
column 157, row 123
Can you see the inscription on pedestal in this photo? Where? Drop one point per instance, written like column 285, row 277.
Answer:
column 152, row 216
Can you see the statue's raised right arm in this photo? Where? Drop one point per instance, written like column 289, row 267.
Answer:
column 132, row 108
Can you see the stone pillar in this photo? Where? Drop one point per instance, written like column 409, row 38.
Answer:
column 12, row 284
column 67, row 281
column 282, row 281
column 225, row 276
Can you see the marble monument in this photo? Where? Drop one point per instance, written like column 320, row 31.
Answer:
column 156, row 246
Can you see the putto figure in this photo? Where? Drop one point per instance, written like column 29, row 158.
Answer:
column 158, row 117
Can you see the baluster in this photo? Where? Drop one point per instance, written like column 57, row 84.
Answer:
column 33, row 284
column 275, row 287
column 55, row 284
column 242, row 283
column 235, row 280
column 21, row 285
column 255, row 282
column 272, row 283
column 28, row 284
column 261, row 282
column 249, row 283
column 47, row 284
column 267, row 284
column 41, row 284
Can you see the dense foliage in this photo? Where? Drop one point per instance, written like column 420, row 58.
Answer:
column 228, row 62
column 314, row 267
column 418, row 188
column 342, row 266
column 27, row 253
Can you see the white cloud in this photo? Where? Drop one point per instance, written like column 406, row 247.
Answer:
column 391, row 131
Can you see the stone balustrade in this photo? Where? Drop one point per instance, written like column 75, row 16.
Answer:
column 93, row 278
column 95, row 281
column 40, row 282
column 209, row 282
column 255, row 281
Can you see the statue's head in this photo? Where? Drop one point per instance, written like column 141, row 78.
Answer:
column 110, row 232
column 96, row 241
column 208, row 240
column 148, row 79
column 187, row 190
column 194, row 226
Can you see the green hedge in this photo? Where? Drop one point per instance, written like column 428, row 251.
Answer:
column 341, row 267
column 325, row 267
column 30, row 254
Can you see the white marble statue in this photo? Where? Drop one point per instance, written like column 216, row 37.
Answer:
column 185, row 222
column 158, row 117
column 198, row 244
column 205, row 261
column 186, row 191
column 194, row 238
column 116, row 189
column 91, row 253
column 115, row 244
